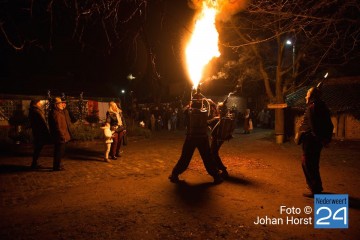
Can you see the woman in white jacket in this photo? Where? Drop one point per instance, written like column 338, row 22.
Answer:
column 108, row 140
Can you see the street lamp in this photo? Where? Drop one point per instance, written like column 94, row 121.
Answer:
column 130, row 77
column 123, row 93
column 289, row 42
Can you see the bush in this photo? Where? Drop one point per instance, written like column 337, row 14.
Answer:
column 4, row 135
column 18, row 118
column 19, row 131
column 93, row 117
column 86, row 132
column 89, row 132
column 139, row 131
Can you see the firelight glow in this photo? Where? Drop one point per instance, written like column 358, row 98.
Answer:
column 203, row 44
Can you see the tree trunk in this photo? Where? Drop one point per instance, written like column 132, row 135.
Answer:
column 279, row 112
column 279, row 125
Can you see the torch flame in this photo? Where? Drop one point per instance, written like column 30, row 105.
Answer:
column 203, row 44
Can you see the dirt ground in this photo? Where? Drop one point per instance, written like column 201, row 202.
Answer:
column 132, row 198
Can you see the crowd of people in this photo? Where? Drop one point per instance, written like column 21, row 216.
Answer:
column 158, row 118
column 315, row 132
column 54, row 131
column 55, row 128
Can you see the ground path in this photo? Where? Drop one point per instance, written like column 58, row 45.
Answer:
column 133, row 199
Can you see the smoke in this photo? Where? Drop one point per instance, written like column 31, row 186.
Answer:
column 226, row 8
column 229, row 8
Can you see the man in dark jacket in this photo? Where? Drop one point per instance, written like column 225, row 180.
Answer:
column 60, row 132
column 316, row 129
column 40, row 130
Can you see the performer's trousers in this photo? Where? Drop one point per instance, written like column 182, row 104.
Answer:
column 215, row 147
column 190, row 144
column 310, row 162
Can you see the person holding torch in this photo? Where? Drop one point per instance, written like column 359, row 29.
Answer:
column 196, row 137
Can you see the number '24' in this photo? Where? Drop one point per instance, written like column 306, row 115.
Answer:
column 321, row 221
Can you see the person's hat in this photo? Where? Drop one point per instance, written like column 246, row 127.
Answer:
column 58, row 100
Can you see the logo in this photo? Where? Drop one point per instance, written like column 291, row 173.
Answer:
column 331, row 210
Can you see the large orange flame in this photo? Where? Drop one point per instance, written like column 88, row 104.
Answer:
column 203, row 44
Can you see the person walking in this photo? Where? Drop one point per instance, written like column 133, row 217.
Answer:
column 196, row 137
column 60, row 132
column 40, row 130
column 117, row 124
column 316, row 132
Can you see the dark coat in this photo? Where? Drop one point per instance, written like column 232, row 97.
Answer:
column 112, row 119
column 69, row 120
column 59, row 127
column 317, row 121
column 40, row 129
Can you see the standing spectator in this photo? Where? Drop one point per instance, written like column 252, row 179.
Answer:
column 40, row 130
column 108, row 140
column 260, row 118
column 174, row 119
column 70, row 118
column 59, row 128
column 267, row 119
column 247, row 122
column 167, row 119
column 152, row 122
column 159, row 123
column 147, row 117
column 316, row 129
column 117, row 123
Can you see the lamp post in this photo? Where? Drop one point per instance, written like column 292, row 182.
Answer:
column 123, row 93
column 289, row 42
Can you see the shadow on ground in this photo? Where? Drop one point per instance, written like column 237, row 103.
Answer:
column 237, row 180
column 193, row 194
column 12, row 168
column 84, row 154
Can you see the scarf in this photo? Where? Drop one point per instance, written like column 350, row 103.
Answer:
column 118, row 117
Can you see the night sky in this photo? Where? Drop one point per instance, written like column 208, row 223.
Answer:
column 91, row 65
column 89, row 60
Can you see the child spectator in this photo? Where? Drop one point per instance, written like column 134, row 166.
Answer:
column 108, row 140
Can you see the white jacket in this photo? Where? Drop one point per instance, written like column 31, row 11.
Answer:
column 108, row 135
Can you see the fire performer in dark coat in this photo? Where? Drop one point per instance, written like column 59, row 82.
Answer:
column 316, row 131
column 222, row 126
column 196, row 137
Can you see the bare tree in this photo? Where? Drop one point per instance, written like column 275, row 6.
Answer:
column 98, row 26
column 288, row 42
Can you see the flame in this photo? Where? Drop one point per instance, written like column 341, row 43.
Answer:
column 203, row 44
